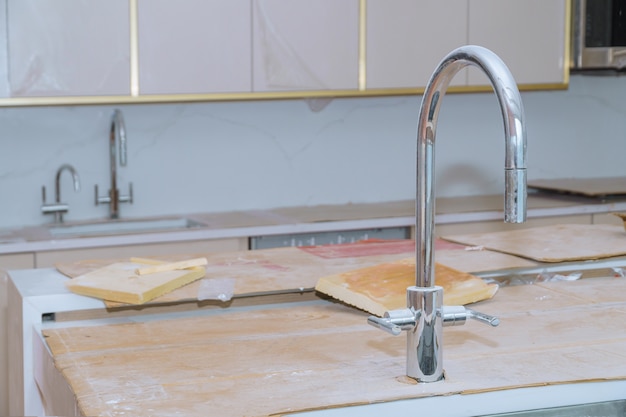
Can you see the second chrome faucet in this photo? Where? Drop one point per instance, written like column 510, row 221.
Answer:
column 117, row 137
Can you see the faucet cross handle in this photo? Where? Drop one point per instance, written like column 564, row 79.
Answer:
column 458, row 315
column 114, row 196
column 57, row 208
column 128, row 198
column 395, row 321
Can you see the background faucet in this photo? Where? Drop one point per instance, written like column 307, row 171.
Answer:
column 117, row 135
column 59, row 208
column 425, row 315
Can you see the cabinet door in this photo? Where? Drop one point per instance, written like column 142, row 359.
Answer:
column 529, row 36
column 68, row 47
column 406, row 39
column 17, row 261
column 305, row 45
column 194, row 46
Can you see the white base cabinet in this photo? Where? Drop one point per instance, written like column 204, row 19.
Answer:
column 17, row 261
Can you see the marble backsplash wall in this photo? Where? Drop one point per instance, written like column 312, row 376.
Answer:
column 213, row 157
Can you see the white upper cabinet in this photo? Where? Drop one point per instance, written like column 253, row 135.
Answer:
column 194, row 46
column 305, row 45
column 261, row 48
column 529, row 36
column 68, row 47
column 406, row 39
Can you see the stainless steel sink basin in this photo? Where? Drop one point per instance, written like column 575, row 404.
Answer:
column 114, row 227
column 603, row 409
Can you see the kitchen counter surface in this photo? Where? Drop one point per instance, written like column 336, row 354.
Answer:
column 322, row 355
column 307, row 220
column 289, row 349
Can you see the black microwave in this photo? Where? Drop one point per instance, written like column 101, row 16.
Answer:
column 598, row 35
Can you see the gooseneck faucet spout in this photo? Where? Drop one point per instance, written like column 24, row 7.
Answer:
column 425, row 315
column 514, row 133
column 57, row 180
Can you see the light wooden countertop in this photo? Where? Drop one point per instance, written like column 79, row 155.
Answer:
column 320, row 355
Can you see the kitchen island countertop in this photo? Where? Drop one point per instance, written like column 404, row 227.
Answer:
column 322, row 352
column 319, row 355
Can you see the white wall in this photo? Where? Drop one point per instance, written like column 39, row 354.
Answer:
column 212, row 157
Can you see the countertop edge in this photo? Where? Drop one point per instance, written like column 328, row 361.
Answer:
column 293, row 227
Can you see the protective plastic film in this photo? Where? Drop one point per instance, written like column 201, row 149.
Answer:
column 68, row 47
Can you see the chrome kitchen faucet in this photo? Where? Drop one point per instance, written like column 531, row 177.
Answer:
column 425, row 315
column 117, row 135
column 57, row 208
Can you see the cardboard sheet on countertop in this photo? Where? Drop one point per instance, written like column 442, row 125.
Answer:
column 274, row 361
column 473, row 260
column 293, row 269
column 588, row 187
column 380, row 288
column 556, row 243
column 268, row 271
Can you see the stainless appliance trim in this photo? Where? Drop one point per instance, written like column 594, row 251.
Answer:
column 585, row 57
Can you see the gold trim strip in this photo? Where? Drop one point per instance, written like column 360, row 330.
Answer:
column 362, row 45
column 568, row 40
column 134, row 48
column 281, row 95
